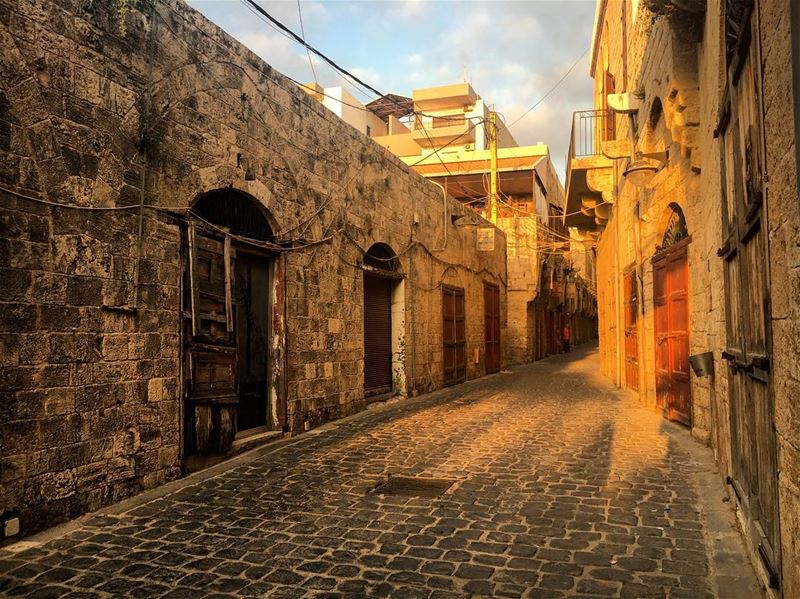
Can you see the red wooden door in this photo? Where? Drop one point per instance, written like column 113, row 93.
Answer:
column 491, row 306
column 454, row 335
column 671, row 298
column 631, row 330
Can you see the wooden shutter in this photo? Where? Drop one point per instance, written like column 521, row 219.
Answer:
column 609, row 120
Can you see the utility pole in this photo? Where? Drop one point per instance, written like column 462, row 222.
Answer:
column 493, row 152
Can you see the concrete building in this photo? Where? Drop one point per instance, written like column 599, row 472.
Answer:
column 683, row 175
column 443, row 133
column 197, row 257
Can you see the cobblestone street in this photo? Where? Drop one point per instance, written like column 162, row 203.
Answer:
column 564, row 487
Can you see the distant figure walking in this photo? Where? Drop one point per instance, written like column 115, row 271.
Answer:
column 565, row 338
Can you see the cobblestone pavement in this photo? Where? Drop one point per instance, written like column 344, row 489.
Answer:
column 565, row 488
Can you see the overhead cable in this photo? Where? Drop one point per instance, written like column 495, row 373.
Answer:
column 552, row 89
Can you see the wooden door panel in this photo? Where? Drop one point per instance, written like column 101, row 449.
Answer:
column 454, row 335
column 212, row 388
column 753, row 454
column 491, row 302
column 671, row 302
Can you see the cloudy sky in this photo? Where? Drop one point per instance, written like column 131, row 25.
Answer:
column 511, row 52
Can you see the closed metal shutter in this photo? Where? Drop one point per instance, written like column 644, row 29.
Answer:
column 377, row 335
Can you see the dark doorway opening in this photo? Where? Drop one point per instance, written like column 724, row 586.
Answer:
column 252, row 301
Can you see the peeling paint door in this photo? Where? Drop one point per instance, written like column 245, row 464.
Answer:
column 454, row 335
column 212, row 387
column 631, row 330
column 491, row 307
column 671, row 299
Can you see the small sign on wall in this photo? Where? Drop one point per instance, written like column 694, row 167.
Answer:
column 486, row 239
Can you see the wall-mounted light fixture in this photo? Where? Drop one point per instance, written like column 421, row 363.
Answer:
column 641, row 171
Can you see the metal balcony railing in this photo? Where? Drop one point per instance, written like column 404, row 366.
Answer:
column 589, row 128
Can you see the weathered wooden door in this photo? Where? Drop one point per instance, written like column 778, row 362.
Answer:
column 631, row 330
column 212, row 390
column 744, row 251
column 491, row 308
column 377, row 335
column 454, row 335
column 671, row 299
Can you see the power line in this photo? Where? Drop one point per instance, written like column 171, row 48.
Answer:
column 284, row 30
column 552, row 89
column 303, row 32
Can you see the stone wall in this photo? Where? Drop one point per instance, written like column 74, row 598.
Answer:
column 683, row 64
column 783, row 204
column 103, row 111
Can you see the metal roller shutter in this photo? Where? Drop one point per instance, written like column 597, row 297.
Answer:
column 377, row 335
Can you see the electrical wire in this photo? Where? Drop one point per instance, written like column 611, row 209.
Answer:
column 552, row 89
column 292, row 35
column 303, row 32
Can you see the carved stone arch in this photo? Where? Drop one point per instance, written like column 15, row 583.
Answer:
column 673, row 227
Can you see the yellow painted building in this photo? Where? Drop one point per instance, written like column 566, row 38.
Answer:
column 444, row 134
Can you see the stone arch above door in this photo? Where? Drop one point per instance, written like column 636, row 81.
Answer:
column 672, row 227
column 238, row 211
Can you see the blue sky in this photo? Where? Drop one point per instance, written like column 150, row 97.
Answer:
column 511, row 52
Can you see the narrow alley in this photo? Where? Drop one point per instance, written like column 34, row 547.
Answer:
column 562, row 486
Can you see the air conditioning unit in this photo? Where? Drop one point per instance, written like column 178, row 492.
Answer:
column 468, row 147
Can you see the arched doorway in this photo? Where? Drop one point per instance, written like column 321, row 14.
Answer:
column 228, row 294
column 671, row 302
column 383, row 315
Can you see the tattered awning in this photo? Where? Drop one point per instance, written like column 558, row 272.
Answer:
column 391, row 105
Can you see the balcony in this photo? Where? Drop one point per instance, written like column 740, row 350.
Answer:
column 590, row 170
column 442, row 130
column 444, row 97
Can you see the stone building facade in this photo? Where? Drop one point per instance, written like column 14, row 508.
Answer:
column 190, row 247
column 699, row 256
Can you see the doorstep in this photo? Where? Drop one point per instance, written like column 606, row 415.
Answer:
column 242, row 444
